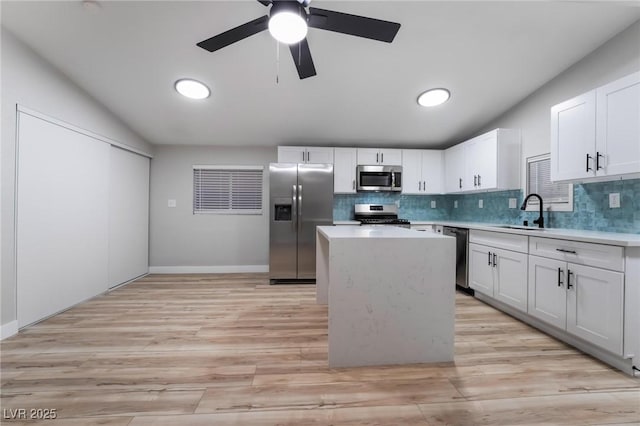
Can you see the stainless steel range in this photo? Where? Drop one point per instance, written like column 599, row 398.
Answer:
column 379, row 214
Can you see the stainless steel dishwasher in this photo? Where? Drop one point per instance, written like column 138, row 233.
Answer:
column 462, row 254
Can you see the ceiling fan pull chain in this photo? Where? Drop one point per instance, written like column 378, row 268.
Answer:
column 277, row 62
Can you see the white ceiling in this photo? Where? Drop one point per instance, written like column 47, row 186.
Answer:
column 491, row 55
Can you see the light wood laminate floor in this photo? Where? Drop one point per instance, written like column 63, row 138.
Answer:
column 233, row 350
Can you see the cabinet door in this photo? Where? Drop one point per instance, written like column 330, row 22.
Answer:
column 595, row 306
column 344, row 171
column 510, row 285
column 412, row 171
column 319, row 155
column 482, row 161
column 573, row 138
column 481, row 269
column 454, row 168
column 618, row 126
column 432, row 171
column 291, row 154
column 547, row 299
column 368, row 156
column 391, row 157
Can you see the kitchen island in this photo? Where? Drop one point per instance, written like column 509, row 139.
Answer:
column 390, row 293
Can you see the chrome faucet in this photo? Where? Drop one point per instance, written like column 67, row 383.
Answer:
column 540, row 220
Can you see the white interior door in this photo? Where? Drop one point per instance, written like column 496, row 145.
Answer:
column 128, row 216
column 62, row 218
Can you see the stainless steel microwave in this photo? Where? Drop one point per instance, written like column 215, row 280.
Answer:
column 379, row 178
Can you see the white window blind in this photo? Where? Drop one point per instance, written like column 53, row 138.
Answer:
column 554, row 194
column 227, row 189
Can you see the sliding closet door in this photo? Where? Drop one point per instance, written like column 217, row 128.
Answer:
column 62, row 218
column 128, row 216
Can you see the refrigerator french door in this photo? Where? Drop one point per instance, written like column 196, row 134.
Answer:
column 300, row 199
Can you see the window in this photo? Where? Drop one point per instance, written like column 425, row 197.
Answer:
column 556, row 196
column 227, row 189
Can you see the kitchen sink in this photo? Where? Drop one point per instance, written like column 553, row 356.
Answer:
column 524, row 228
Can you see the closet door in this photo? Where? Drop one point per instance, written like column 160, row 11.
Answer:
column 128, row 216
column 62, row 218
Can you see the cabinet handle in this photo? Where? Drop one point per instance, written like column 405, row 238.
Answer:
column 479, row 184
column 354, row 184
column 569, row 273
column 475, row 180
column 460, row 184
column 566, row 251
column 494, row 260
column 489, row 253
column 598, row 155
column 303, row 156
column 382, row 157
column 424, row 185
column 589, row 158
column 419, row 185
column 559, row 277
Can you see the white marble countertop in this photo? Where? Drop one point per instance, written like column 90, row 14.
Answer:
column 612, row 238
column 358, row 231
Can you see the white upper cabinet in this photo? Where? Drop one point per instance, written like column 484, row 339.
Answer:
column 422, row 171
column 618, row 127
column 573, row 137
column 597, row 133
column 454, row 173
column 375, row 156
column 490, row 161
column 344, row 170
column 481, row 161
column 305, row 154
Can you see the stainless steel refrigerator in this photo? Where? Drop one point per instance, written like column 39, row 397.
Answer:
column 300, row 199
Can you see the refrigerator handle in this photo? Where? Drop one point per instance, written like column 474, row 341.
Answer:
column 294, row 207
column 299, row 214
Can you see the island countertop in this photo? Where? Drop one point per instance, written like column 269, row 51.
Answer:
column 356, row 231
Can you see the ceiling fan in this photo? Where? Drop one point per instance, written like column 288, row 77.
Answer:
column 288, row 22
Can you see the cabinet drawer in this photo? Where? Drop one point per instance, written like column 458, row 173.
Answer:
column 597, row 255
column 505, row 241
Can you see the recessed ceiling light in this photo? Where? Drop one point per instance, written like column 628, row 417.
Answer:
column 433, row 97
column 192, row 89
column 288, row 27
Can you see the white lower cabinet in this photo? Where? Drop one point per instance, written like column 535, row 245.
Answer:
column 547, row 294
column 499, row 273
column 579, row 288
column 585, row 301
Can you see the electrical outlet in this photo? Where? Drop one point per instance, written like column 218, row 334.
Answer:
column 171, row 203
column 513, row 203
column 455, row 204
column 433, row 204
column 614, row 200
column 480, row 204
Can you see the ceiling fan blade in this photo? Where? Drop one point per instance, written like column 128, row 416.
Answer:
column 235, row 34
column 355, row 25
column 302, row 58
column 265, row 2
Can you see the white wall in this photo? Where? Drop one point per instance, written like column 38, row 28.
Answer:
column 616, row 58
column 183, row 242
column 30, row 81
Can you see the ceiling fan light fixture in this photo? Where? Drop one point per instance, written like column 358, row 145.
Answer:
column 288, row 27
column 192, row 89
column 434, row 97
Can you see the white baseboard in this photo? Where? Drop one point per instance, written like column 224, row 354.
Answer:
column 8, row 329
column 224, row 269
